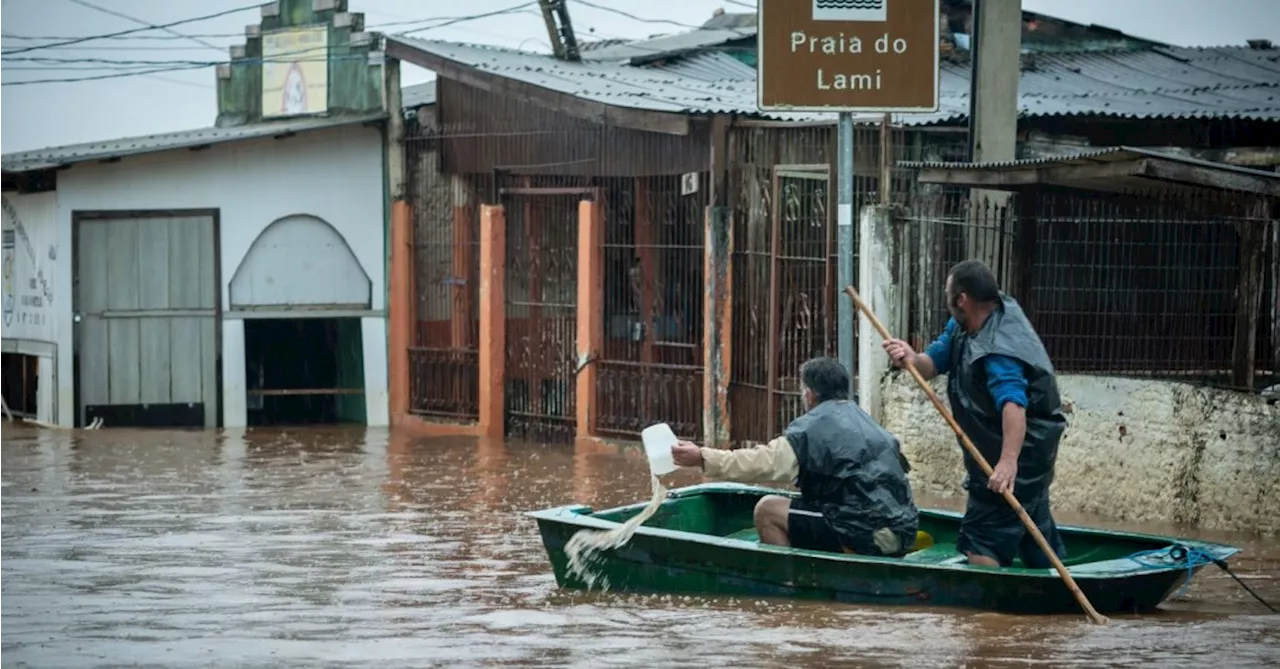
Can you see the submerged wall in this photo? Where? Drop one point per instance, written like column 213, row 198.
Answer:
column 1134, row 450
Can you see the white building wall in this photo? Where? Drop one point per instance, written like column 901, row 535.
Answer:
column 33, row 291
column 335, row 175
column 1135, row 450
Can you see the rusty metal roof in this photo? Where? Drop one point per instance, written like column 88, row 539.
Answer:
column 1164, row 82
column 641, row 51
column 1263, row 182
column 62, row 156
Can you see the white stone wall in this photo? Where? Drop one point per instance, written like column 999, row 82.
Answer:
column 1135, row 450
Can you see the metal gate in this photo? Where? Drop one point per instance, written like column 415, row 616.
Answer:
column 784, row 296
column 146, row 300
column 541, row 311
column 651, row 367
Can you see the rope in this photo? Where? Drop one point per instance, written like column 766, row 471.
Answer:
column 1172, row 556
column 1193, row 557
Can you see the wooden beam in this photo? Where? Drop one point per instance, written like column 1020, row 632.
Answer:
column 719, row 160
column 635, row 119
column 493, row 320
column 1030, row 175
column 590, row 314
column 1275, row 296
column 1253, row 236
column 1211, row 177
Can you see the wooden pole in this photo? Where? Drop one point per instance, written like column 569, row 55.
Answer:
column 986, row 468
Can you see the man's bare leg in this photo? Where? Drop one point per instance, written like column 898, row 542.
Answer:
column 771, row 520
column 982, row 560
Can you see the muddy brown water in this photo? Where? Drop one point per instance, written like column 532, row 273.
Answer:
column 343, row 548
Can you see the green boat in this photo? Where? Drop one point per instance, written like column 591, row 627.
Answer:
column 702, row 541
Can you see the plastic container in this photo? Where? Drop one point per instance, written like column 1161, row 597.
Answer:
column 658, row 440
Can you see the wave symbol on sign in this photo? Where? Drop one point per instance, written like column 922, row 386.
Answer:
column 850, row 10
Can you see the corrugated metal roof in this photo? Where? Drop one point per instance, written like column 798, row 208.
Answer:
column 60, row 156
column 1223, row 82
column 1110, row 154
column 654, row 88
column 709, row 66
column 642, row 51
column 418, row 95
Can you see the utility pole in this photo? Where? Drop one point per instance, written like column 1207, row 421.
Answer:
column 996, row 67
column 560, row 29
column 845, row 324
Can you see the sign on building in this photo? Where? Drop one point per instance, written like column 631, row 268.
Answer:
column 295, row 72
column 870, row 56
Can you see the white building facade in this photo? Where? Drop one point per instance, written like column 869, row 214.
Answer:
column 201, row 279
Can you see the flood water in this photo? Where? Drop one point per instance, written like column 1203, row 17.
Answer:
column 331, row 548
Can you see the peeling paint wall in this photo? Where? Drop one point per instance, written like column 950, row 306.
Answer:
column 1135, row 450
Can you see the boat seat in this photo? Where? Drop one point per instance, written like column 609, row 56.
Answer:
column 944, row 554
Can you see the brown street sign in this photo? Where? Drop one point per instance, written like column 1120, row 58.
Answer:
column 870, row 56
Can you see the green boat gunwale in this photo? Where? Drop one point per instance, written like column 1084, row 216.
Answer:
column 585, row 517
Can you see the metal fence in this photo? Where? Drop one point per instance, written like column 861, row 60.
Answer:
column 940, row 229
column 785, row 263
column 784, row 271
column 542, row 305
column 651, row 368
column 1142, row 284
column 443, row 360
column 1136, row 284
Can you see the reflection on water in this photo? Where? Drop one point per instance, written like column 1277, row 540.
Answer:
column 326, row 548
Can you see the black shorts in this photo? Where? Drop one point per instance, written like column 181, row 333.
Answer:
column 808, row 529
column 991, row 528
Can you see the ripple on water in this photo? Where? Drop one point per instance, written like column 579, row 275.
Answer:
column 306, row 548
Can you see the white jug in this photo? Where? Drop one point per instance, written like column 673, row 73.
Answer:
column 658, row 440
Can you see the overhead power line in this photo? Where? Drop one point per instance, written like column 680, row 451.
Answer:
column 152, row 26
column 448, row 22
column 177, row 66
column 169, row 38
column 78, row 40
column 633, row 17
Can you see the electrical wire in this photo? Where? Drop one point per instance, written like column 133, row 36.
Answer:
column 88, row 38
column 179, row 66
column 120, row 15
column 633, row 17
column 129, row 68
column 120, row 37
column 509, row 10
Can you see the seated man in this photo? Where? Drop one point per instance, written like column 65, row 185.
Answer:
column 854, row 493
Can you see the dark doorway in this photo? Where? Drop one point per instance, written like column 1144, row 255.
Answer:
column 21, row 375
column 304, row 371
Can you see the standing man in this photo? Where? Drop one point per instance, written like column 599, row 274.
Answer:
column 854, row 492
column 1004, row 395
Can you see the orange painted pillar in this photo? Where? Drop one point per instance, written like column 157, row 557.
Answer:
column 460, row 315
column 717, row 327
column 400, row 310
column 493, row 319
column 590, row 311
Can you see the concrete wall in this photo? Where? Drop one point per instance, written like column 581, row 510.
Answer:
column 334, row 175
column 1135, row 450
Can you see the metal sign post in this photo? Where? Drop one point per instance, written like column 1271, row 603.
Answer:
column 870, row 56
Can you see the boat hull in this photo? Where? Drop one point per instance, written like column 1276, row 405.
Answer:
column 659, row 559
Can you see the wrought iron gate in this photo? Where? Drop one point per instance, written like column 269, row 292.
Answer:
column 651, row 364
column 784, row 296
column 541, row 310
